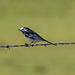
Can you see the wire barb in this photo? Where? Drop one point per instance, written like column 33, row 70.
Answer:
column 32, row 45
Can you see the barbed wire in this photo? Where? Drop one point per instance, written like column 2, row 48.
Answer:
column 32, row 45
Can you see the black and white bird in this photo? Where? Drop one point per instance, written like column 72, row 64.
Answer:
column 32, row 36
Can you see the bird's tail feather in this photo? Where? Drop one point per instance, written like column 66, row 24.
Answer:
column 49, row 42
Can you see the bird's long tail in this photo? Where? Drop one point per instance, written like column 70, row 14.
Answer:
column 50, row 42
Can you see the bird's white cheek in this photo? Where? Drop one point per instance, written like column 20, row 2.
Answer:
column 25, row 30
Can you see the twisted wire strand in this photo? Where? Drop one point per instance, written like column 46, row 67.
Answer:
column 32, row 45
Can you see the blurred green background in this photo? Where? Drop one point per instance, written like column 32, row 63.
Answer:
column 52, row 19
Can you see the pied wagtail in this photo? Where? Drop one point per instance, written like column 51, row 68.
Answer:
column 32, row 35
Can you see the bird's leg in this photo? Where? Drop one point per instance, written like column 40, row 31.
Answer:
column 34, row 43
column 31, row 43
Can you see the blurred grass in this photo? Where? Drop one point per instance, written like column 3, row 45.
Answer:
column 52, row 19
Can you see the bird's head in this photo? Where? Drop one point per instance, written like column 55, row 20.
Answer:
column 24, row 29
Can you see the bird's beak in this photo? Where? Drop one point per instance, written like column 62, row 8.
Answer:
column 19, row 29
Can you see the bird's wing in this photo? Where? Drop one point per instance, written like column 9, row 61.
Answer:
column 33, row 35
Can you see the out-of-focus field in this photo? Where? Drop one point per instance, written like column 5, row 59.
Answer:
column 52, row 19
